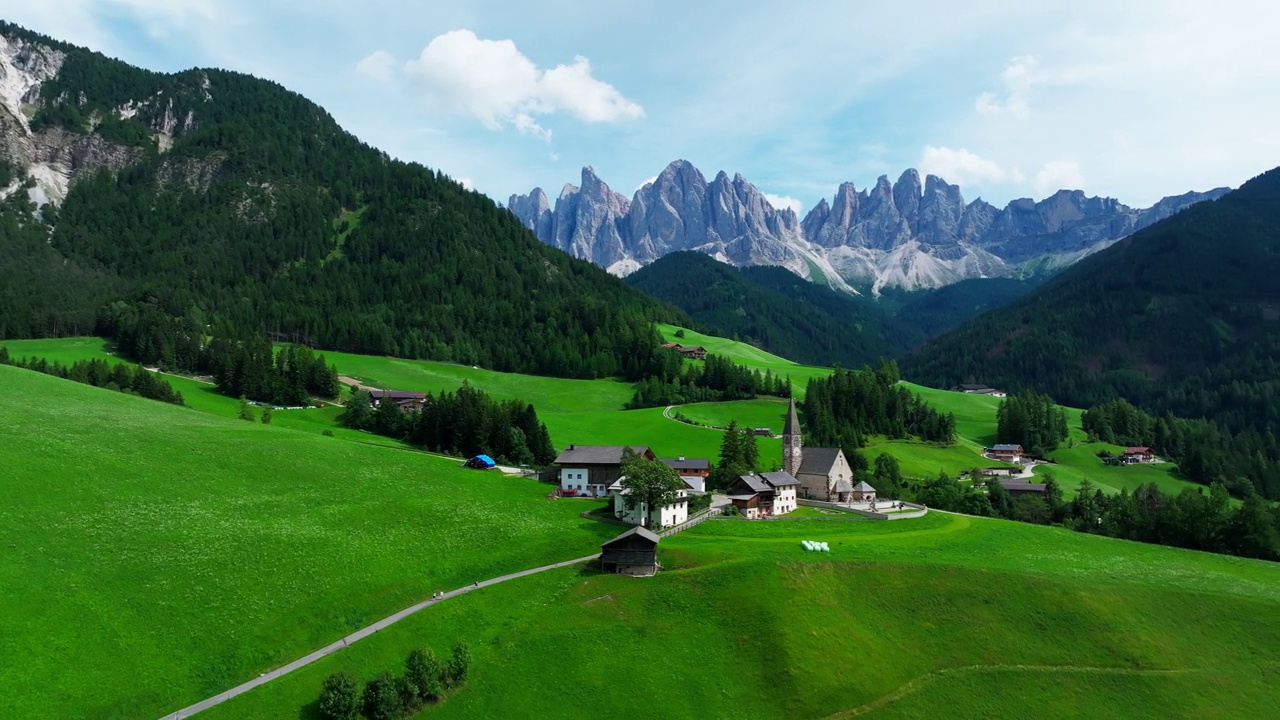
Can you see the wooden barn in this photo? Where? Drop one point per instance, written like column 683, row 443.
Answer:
column 634, row 552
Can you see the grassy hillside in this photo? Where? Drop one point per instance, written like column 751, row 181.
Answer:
column 589, row 412
column 748, row 355
column 944, row 616
column 155, row 555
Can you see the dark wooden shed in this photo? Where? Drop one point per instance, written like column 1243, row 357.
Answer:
column 634, row 552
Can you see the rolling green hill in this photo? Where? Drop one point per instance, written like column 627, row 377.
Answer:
column 155, row 555
column 944, row 616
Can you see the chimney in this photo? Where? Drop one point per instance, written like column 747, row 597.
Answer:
column 570, row 446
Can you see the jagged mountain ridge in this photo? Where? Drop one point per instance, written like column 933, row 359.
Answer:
column 908, row 234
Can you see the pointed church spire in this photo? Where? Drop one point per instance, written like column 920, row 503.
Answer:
column 793, row 422
column 792, row 442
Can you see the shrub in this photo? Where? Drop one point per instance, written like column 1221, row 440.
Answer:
column 381, row 700
column 339, row 697
column 459, row 665
column 423, row 669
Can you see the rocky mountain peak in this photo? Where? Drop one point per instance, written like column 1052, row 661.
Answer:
column 911, row 233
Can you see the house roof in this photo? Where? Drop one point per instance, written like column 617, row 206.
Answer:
column 1007, row 448
column 863, row 487
column 819, row 461
column 397, row 395
column 637, row 530
column 691, row 348
column 687, row 463
column 843, row 486
column 792, row 426
column 972, row 386
column 755, row 482
column 779, row 479
column 596, row 454
column 1022, row 485
column 1137, row 450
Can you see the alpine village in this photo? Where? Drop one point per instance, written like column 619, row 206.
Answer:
column 310, row 409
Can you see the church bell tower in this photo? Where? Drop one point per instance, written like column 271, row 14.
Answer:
column 792, row 442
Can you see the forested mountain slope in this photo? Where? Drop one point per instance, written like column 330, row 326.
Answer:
column 240, row 207
column 775, row 309
column 1183, row 317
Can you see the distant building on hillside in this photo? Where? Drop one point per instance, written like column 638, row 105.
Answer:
column 978, row 389
column 1135, row 455
column 589, row 470
column 407, row 400
column 1006, row 453
column 634, row 552
column 1018, row 488
column 695, row 352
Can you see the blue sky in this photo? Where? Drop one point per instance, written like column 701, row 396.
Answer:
column 1134, row 100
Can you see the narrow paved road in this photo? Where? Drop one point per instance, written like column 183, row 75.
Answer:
column 357, row 635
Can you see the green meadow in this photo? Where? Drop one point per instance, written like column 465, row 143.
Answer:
column 943, row 616
column 747, row 355
column 589, row 412
column 155, row 555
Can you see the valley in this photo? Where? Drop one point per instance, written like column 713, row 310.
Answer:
column 685, row 453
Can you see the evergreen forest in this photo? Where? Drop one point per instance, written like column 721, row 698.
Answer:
column 243, row 209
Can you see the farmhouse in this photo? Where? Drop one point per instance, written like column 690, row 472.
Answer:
column 406, row 399
column 662, row 516
column 823, row 473
column 1018, row 488
column 764, row 495
column 1007, row 453
column 700, row 467
column 695, row 352
column 1135, row 455
column 634, row 552
column 997, row 472
column 978, row 389
column 590, row 469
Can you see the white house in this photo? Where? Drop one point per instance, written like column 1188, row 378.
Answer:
column 764, row 495
column 588, row 470
column 665, row 516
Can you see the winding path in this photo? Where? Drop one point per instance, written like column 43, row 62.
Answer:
column 358, row 635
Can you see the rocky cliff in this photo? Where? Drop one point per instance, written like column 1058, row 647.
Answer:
column 911, row 233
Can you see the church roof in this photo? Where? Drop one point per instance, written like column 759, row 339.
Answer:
column 792, row 426
column 863, row 487
column 779, row 479
column 843, row 486
column 819, row 461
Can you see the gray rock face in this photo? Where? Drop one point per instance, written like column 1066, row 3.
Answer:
column 908, row 233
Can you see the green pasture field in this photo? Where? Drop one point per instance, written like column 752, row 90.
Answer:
column 941, row 616
column 154, row 555
column 747, row 355
column 590, row 412
column 758, row 413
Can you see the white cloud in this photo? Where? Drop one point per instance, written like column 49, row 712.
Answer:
column 961, row 167
column 1018, row 78
column 466, row 183
column 781, row 202
column 493, row 82
column 1058, row 175
column 649, row 181
column 378, row 65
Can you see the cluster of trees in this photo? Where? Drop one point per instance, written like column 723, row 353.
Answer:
column 249, row 367
column 739, row 455
column 714, row 380
column 1245, row 462
column 846, row 407
column 425, row 681
column 265, row 218
column 100, row 373
column 1193, row 519
column 1033, row 421
column 466, row 423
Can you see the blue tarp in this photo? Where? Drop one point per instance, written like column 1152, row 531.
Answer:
column 488, row 461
